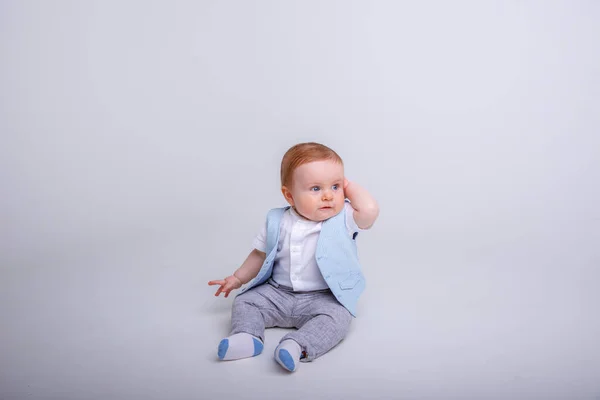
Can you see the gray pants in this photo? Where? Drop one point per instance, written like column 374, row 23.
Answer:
column 321, row 320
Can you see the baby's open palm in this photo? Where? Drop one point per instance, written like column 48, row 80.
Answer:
column 226, row 285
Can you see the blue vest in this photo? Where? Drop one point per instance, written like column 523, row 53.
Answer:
column 336, row 256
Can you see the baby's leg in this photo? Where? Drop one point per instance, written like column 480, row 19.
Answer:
column 322, row 321
column 252, row 312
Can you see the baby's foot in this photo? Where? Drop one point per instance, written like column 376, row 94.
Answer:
column 287, row 354
column 239, row 345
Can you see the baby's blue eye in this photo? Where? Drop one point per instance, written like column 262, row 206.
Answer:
column 336, row 187
column 315, row 188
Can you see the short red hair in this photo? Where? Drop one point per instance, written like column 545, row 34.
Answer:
column 303, row 153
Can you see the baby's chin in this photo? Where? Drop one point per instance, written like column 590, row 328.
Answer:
column 321, row 214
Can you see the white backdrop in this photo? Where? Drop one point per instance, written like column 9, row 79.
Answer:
column 139, row 151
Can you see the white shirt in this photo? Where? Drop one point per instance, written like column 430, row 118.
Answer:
column 295, row 264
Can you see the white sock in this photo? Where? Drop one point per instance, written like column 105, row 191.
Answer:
column 288, row 354
column 239, row 345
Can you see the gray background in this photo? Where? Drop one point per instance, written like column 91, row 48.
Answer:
column 139, row 153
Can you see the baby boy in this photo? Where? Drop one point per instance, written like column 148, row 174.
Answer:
column 304, row 271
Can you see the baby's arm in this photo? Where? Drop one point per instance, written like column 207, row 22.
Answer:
column 366, row 209
column 244, row 274
column 250, row 267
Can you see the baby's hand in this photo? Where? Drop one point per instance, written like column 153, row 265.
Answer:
column 227, row 285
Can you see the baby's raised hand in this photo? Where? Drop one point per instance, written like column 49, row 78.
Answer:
column 226, row 285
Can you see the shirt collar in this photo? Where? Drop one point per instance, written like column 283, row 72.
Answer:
column 301, row 218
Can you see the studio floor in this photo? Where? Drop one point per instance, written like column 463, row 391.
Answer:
column 145, row 325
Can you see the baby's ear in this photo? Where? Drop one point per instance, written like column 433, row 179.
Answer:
column 288, row 195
